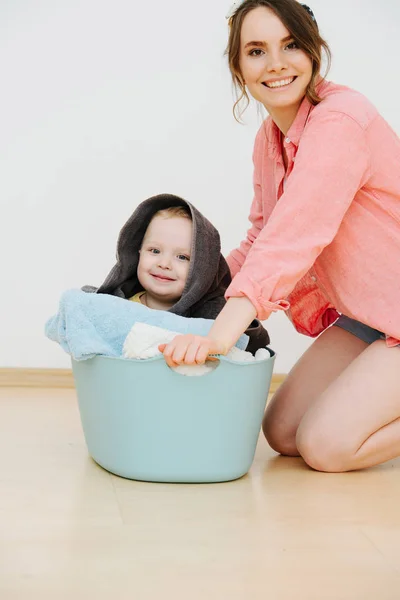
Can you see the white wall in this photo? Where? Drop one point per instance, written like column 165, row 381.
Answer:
column 103, row 104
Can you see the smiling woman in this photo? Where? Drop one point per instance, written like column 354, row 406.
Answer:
column 284, row 38
column 276, row 72
column 323, row 245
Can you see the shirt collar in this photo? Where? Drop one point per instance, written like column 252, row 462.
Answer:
column 298, row 125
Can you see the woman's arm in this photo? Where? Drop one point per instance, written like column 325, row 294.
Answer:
column 332, row 164
column 232, row 321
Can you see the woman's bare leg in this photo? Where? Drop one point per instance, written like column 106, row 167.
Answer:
column 355, row 423
column 319, row 366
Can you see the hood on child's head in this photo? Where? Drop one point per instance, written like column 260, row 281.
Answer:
column 208, row 277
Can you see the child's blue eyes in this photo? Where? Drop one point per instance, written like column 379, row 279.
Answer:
column 181, row 257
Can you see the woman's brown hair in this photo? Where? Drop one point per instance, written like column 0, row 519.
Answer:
column 301, row 25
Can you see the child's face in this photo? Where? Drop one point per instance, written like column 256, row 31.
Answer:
column 268, row 54
column 164, row 258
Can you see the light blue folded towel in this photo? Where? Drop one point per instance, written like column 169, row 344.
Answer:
column 91, row 324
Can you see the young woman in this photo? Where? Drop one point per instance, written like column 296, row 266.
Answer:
column 324, row 246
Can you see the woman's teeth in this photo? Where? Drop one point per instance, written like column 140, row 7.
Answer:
column 278, row 84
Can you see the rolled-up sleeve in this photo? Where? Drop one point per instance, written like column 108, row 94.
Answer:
column 332, row 164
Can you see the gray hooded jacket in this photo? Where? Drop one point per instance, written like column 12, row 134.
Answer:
column 208, row 277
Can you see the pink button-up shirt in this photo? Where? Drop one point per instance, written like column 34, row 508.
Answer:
column 326, row 240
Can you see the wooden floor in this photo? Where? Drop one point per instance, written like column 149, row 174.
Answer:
column 69, row 530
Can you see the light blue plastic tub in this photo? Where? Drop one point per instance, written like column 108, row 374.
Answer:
column 143, row 421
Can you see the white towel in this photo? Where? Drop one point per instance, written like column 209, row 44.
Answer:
column 143, row 340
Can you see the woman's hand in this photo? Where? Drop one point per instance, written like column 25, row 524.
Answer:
column 190, row 350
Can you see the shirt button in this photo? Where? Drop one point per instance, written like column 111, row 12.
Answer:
column 313, row 278
column 287, row 140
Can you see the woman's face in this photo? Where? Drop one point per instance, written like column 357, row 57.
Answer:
column 275, row 71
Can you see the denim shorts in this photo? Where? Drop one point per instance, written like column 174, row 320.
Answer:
column 364, row 332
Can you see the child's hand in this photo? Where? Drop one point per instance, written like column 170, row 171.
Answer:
column 190, row 350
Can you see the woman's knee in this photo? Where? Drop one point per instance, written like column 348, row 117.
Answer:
column 321, row 452
column 279, row 437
